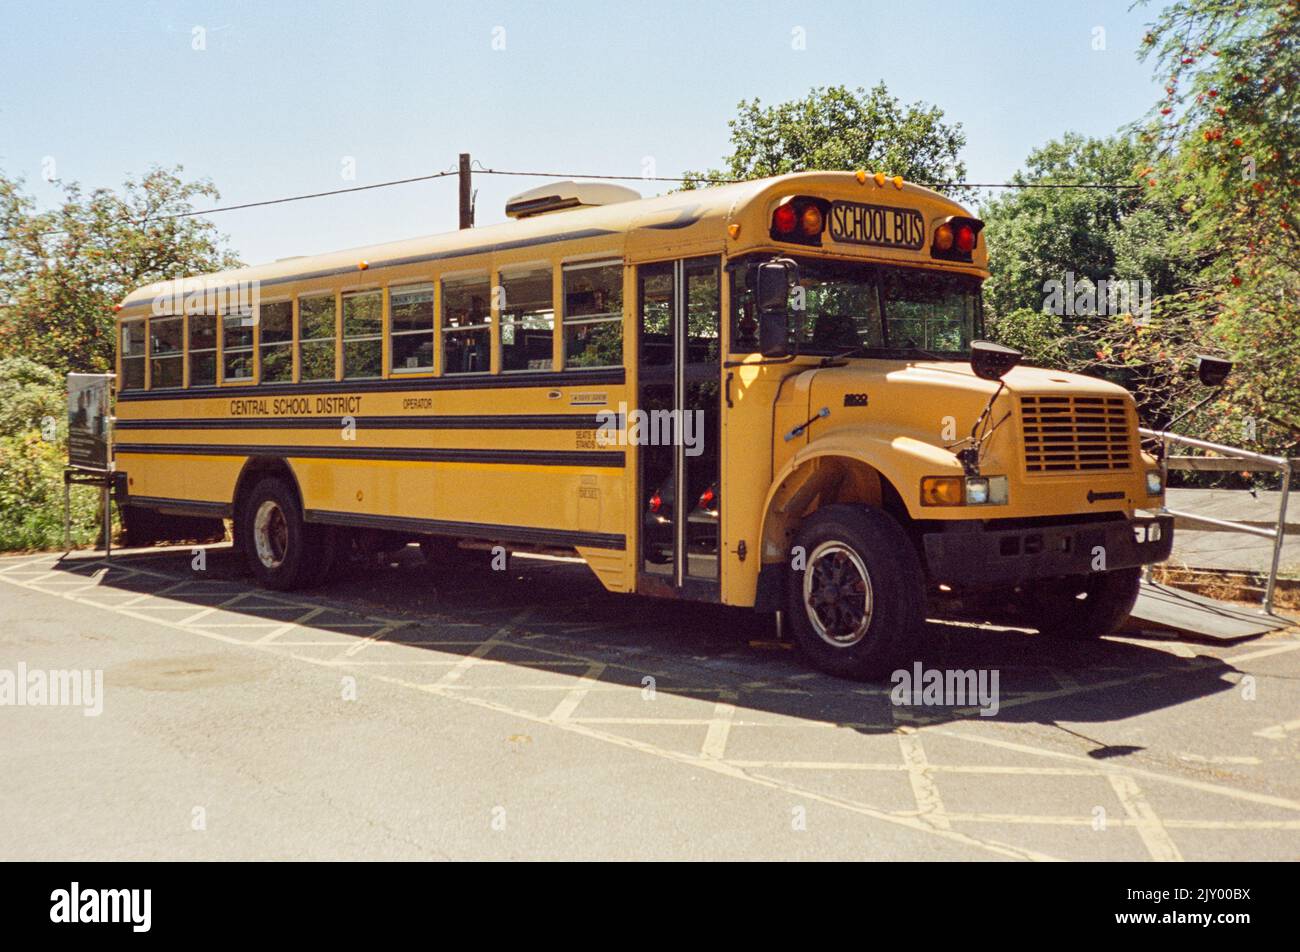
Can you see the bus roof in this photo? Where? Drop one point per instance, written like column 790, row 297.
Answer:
column 695, row 210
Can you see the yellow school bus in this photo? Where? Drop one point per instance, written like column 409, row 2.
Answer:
column 770, row 394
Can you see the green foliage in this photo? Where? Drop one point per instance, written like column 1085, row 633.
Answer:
column 28, row 394
column 1039, row 234
column 31, row 496
column 1035, row 333
column 1228, row 132
column 835, row 127
column 62, row 270
column 31, row 466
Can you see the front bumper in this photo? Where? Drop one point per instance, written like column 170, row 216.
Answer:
column 968, row 555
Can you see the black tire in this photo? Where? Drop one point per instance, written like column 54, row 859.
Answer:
column 1084, row 606
column 283, row 552
column 843, row 635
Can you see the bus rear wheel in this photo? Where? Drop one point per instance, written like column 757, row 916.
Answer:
column 283, row 551
column 1084, row 606
column 857, row 602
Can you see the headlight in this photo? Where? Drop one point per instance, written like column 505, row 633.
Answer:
column 986, row 491
column 1155, row 482
column 964, row 491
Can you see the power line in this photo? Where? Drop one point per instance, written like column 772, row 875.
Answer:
column 727, row 181
column 270, row 201
column 559, row 175
column 299, row 198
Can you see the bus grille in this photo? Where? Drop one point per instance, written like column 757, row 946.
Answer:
column 1072, row 434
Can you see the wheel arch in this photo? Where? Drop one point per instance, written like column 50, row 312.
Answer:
column 258, row 467
column 821, row 479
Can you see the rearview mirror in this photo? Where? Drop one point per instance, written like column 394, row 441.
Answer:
column 1212, row 371
column 773, row 285
column 991, row 361
column 772, row 292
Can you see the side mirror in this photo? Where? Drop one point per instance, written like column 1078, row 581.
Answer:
column 773, row 297
column 1212, row 371
column 991, row 361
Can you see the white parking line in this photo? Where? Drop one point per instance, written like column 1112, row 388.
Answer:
column 1156, row 838
column 715, row 741
column 569, row 703
column 1278, row 731
column 929, row 804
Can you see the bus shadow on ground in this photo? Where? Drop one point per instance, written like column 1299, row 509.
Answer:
column 551, row 614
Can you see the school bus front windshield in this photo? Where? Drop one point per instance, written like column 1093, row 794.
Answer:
column 868, row 309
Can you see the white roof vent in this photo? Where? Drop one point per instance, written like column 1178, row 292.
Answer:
column 557, row 196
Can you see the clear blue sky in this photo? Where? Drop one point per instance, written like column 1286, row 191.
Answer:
column 285, row 91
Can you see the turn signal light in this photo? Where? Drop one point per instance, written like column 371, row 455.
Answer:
column 943, row 491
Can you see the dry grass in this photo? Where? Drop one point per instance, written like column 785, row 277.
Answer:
column 1246, row 588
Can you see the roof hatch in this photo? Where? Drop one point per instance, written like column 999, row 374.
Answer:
column 558, row 196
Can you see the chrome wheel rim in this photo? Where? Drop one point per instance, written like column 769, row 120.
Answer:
column 270, row 534
column 837, row 594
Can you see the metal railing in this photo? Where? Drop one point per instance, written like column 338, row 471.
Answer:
column 1229, row 460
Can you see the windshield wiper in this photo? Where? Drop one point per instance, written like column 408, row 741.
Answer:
column 831, row 360
column 911, row 345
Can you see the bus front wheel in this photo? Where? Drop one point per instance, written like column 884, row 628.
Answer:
column 854, row 593
column 283, row 551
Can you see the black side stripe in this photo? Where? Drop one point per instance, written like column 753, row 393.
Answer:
column 490, row 248
column 609, row 377
column 532, row 421
column 482, row 530
column 188, row 507
column 583, row 458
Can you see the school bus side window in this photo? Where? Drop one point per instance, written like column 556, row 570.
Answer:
column 165, row 352
column 527, row 319
column 202, row 350
column 466, row 327
column 276, row 323
column 593, row 315
column 410, row 313
column 236, row 347
column 363, row 334
column 316, row 337
column 132, row 347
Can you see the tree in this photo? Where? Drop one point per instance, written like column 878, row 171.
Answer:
column 62, row 270
column 838, row 128
column 1227, row 132
column 1036, row 235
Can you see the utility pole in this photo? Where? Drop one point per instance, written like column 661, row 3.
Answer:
column 466, row 196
